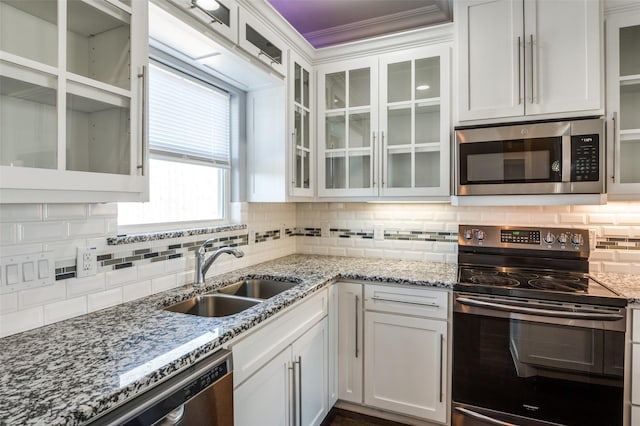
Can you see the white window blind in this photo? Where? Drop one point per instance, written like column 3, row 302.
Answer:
column 188, row 119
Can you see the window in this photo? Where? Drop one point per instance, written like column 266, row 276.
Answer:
column 189, row 151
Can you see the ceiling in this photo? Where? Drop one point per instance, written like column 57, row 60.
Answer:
column 329, row 22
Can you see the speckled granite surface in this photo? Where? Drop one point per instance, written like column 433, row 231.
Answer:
column 627, row 285
column 68, row 372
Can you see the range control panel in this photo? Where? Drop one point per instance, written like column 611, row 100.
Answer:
column 524, row 237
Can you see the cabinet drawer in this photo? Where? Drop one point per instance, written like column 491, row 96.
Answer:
column 635, row 326
column 407, row 301
column 635, row 415
column 252, row 352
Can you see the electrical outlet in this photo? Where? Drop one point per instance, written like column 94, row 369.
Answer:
column 283, row 230
column 378, row 232
column 86, row 262
column 325, row 230
column 592, row 239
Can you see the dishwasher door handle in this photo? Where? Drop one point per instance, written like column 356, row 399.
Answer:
column 482, row 417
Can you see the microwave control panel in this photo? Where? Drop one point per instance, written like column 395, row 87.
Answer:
column 585, row 152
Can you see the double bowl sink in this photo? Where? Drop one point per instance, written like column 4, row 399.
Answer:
column 232, row 299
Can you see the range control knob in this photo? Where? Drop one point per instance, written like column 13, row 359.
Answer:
column 549, row 238
column 467, row 234
column 577, row 239
column 562, row 238
column 480, row 235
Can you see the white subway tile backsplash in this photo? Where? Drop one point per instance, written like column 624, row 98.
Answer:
column 87, row 228
column 104, row 299
column 8, row 303
column 602, row 219
column 136, row 291
column 103, row 209
column 82, row 286
column 65, row 211
column 119, row 277
column 23, row 320
column 164, row 283
column 624, row 268
column 42, row 231
column 20, row 212
column 42, row 295
column 8, row 233
column 58, row 311
column 150, row 270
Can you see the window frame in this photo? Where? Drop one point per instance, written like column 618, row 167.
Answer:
column 166, row 57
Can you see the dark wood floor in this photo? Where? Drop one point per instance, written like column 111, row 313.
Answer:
column 338, row 417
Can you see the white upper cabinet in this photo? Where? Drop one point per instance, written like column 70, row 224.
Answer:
column 384, row 125
column 72, row 109
column 348, row 136
column 301, row 113
column 221, row 15
column 415, row 122
column 623, row 104
column 261, row 42
column 528, row 58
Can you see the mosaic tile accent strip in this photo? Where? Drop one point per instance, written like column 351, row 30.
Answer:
column 349, row 233
column 261, row 237
column 443, row 236
column 129, row 258
column 304, row 232
column 617, row 243
column 154, row 236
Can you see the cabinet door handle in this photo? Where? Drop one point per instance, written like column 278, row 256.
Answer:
column 382, row 299
column 143, row 122
column 295, row 153
column 614, row 173
column 441, row 364
column 519, row 73
column 299, row 362
column 533, row 76
column 381, row 165
column 292, row 385
column 373, row 158
column 356, row 311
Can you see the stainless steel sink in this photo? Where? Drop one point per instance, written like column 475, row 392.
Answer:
column 257, row 288
column 213, row 305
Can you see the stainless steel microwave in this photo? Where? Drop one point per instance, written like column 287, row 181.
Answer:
column 559, row 157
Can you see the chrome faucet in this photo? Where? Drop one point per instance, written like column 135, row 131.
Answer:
column 202, row 265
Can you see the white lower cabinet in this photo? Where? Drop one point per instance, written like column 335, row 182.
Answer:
column 405, row 359
column 350, row 366
column 392, row 349
column 281, row 371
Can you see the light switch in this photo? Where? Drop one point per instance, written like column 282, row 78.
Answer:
column 43, row 268
column 12, row 274
column 28, row 272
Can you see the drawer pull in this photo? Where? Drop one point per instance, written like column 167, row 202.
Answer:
column 382, row 299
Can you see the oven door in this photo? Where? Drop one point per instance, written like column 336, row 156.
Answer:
column 519, row 361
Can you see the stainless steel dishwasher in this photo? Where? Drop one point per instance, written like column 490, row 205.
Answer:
column 201, row 395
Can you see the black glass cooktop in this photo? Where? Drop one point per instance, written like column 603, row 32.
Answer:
column 565, row 286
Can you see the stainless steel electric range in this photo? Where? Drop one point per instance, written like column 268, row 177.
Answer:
column 536, row 340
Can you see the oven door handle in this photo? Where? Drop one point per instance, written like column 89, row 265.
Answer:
column 536, row 311
column 482, row 417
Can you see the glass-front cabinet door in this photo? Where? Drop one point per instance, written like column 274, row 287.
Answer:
column 623, row 105
column 301, row 118
column 414, row 122
column 348, row 130
column 72, row 100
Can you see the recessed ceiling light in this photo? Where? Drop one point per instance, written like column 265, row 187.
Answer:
column 208, row 4
column 422, row 87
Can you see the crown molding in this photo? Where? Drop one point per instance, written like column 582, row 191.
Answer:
column 369, row 28
column 420, row 37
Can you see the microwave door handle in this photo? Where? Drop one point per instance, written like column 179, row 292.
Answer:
column 469, row 301
column 566, row 158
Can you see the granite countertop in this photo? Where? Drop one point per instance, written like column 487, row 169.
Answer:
column 68, row 372
column 627, row 285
